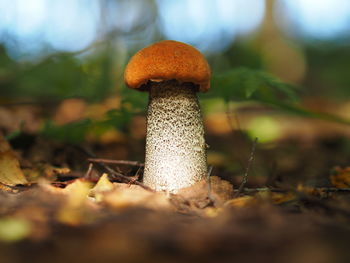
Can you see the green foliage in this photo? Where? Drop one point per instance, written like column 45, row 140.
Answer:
column 74, row 132
column 242, row 84
column 137, row 100
column 328, row 70
column 58, row 76
column 239, row 84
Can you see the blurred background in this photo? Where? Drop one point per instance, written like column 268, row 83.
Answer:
column 62, row 62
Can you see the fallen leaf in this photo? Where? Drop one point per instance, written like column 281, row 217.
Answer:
column 10, row 171
column 77, row 192
column 124, row 195
column 280, row 198
column 241, row 201
column 74, row 210
column 44, row 171
column 103, row 185
column 212, row 211
column 220, row 191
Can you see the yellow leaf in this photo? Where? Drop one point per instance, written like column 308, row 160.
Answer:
column 240, row 201
column 77, row 192
column 73, row 212
column 10, row 171
column 212, row 211
column 279, row 198
column 124, row 196
column 103, row 185
column 38, row 171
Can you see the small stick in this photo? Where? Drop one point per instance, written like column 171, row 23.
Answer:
column 109, row 161
column 124, row 178
column 113, row 173
column 250, row 161
column 135, row 177
column 87, row 175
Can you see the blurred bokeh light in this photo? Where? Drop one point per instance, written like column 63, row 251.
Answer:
column 29, row 27
column 315, row 19
column 209, row 25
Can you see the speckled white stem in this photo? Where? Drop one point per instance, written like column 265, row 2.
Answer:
column 175, row 145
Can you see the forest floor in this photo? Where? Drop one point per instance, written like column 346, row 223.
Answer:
column 62, row 202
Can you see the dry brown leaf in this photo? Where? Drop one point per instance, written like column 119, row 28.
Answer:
column 212, row 211
column 220, row 191
column 74, row 211
column 44, row 171
column 280, row 198
column 77, row 192
column 103, row 185
column 241, row 201
column 7, row 188
column 275, row 198
column 124, row 195
column 10, row 171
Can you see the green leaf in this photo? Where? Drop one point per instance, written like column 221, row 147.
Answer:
column 137, row 100
column 245, row 84
column 242, row 84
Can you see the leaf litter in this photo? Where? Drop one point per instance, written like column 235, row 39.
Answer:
column 53, row 210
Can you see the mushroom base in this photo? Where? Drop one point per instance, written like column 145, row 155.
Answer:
column 175, row 145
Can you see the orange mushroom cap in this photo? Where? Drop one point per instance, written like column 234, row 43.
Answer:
column 166, row 60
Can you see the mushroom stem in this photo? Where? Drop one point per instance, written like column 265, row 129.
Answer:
column 175, row 145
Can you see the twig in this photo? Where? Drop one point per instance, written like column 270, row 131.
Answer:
column 135, row 177
column 250, row 161
column 87, row 175
column 109, row 161
column 124, row 178
column 114, row 174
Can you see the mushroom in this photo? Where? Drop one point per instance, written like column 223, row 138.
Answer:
column 172, row 72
